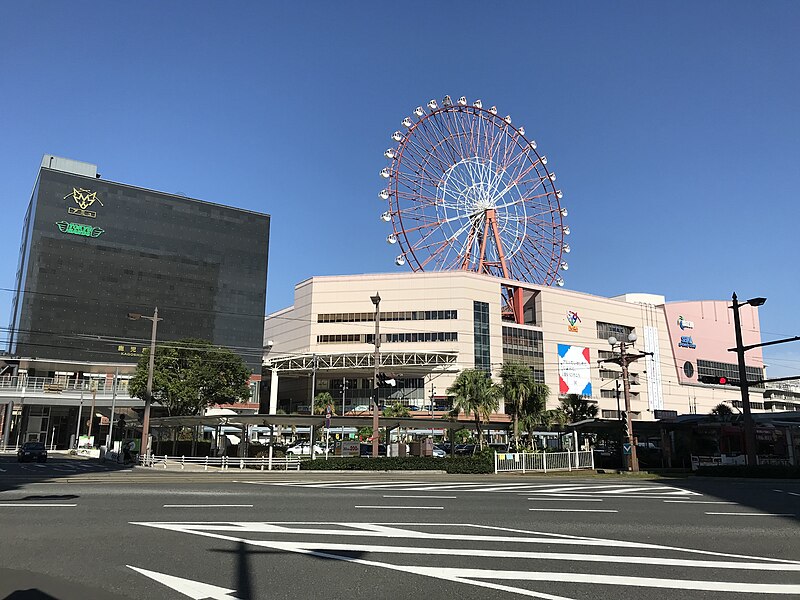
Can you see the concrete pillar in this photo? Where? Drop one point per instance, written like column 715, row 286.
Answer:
column 7, row 423
column 273, row 392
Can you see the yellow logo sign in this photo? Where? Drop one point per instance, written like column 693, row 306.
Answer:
column 84, row 199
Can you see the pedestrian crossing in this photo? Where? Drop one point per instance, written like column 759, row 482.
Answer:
column 550, row 490
column 523, row 562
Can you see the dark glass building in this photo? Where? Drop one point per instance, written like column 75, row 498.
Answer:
column 93, row 251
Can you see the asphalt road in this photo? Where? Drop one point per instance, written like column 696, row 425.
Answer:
column 75, row 529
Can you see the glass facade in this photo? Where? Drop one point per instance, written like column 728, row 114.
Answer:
column 729, row 370
column 606, row 330
column 94, row 251
column 403, row 315
column 525, row 346
column 480, row 315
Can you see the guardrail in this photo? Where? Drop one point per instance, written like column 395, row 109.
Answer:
column 51, row 385
column 526, row 462
column 222, row 463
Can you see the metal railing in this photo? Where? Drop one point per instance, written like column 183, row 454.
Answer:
column 58, row 385
column 222, row 463
column 524, row 462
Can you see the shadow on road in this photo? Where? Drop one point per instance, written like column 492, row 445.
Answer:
column 772, row 496
column 244, row 581
column 14, row 475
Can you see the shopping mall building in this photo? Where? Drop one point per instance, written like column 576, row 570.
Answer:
column 435, row 324
column 92, row 252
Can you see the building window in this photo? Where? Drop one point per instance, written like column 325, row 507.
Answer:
column 406, row 315
column 524, row 346
column 729, row 370
column 480, row 315
column 609, row 374
column 610, row 394
column 688, row 369
column 606, row 330
column 389, row 338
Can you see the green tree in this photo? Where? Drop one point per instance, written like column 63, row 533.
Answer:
column 321, row 403
column 516, row 386
column 396, row 410
column 475, row 393
column 534, row 414
column 190, row 375
column 578, row 408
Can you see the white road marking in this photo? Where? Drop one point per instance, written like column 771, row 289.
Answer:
column 208, row 506
column 437, row 497
column 743, row 514
column 529, row 572
column 188, row 587
column 568, row 499
column 592, row 510
column 792, row 494
column 29, row 504
column 406, row 507
column 696, row 502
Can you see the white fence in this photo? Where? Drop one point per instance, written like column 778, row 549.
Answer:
column 223, row 463
column 524, row 462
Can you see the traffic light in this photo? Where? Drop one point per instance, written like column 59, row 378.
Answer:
column 717, row 380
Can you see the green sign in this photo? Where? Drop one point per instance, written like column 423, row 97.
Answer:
column 79, row 229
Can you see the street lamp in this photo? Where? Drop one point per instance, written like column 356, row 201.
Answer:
column 145, row 446
column 376, row 300
column 749, row 428
column 624, row 359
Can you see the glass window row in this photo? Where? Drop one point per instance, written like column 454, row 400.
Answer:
column 408, row 315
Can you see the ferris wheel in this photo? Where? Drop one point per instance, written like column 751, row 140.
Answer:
column 466, row 190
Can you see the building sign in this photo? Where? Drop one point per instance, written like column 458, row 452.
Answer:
column 684, row 324
column 686, row 342
column 573, row 319
column 79, row 229
column 84, row 199
column 574, row 374
column 130, row 350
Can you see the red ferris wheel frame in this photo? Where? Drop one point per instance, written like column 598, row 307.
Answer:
column 468, row 191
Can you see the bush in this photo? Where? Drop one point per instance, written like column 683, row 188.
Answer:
column 766, row 471
column 458, row 464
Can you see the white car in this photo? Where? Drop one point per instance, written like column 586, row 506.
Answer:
column 439, row 453
column 304, row 449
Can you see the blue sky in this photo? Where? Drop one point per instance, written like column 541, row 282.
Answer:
column 673, row 127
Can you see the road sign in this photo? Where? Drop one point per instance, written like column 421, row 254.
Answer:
column 626, row 448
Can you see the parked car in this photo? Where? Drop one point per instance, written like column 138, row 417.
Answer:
column 366, row 449
column 465, row 449
column 439, row 453
column 304, row 449
column 32, row 451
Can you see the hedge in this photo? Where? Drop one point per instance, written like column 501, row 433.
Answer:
column 765, row 471
column 458, row 464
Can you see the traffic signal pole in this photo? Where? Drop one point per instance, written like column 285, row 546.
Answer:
column 376, row 300
column 749, row 428
column 633, row 459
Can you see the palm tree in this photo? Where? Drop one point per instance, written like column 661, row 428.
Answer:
column 397, row 410
column 578, row 408
column 475, row 393
column 517, row 384
column 722, row 411
column 321, row 403
column 534, row 411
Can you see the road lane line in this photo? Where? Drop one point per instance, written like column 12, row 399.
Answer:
column 399, row 496
column 29, row 504
column 696, row 502
column 743, row 514
column 406, row 507
column 208, row 506
column 593, row 510
column 569, row 499
column 793, row 494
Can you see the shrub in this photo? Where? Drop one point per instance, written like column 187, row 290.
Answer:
column 457, row 464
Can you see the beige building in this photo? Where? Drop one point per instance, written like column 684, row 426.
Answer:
column 434, row 325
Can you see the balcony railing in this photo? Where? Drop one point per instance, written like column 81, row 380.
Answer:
column 57, row 385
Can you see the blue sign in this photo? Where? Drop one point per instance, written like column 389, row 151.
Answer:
column 626, row 448
column 686, row 342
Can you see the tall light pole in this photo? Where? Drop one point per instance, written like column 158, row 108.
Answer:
column 749, row 428
column 624, row 360
column 145, row 447
column 376, row 300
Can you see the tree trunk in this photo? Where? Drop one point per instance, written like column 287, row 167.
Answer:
column 478, row 428
column 516, row 425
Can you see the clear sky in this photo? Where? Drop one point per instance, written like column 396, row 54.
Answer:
column 673, row 126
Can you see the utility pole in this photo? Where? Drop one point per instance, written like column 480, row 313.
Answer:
column 433, row 395
column 376, row 300
column 749, row 428
column 145, row 446
column 109, row 441
column 621, row 425
column 623, row 361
